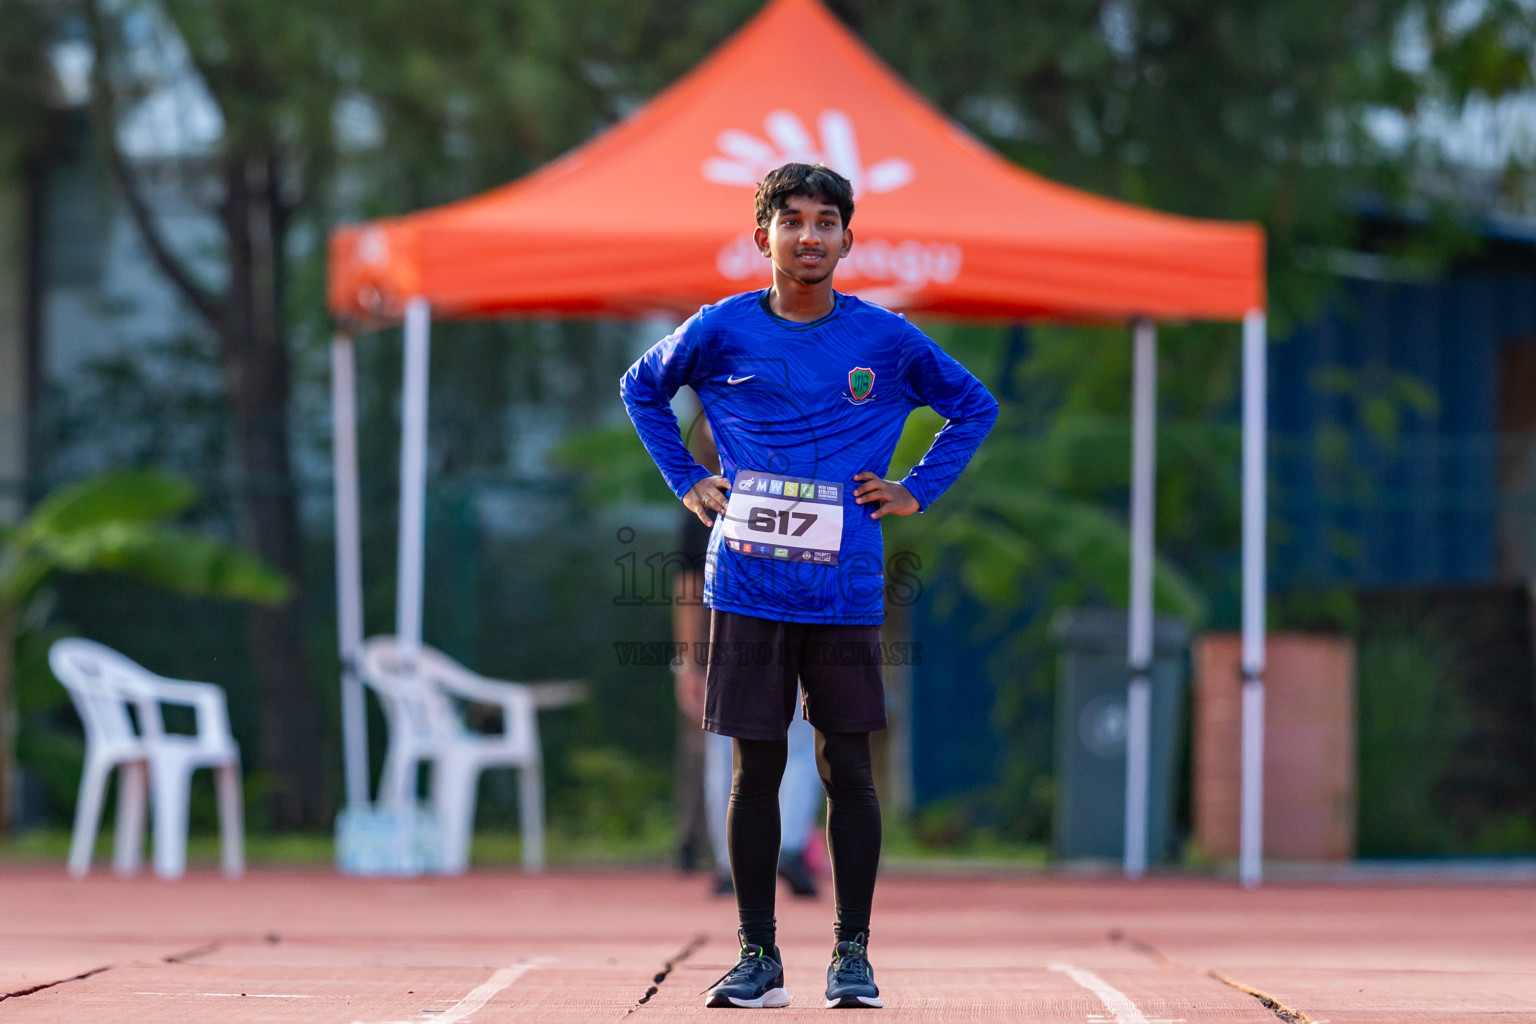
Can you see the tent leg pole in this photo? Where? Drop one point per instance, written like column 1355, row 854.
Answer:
column 349, row 569
column 413, row 506
column 1138, row 747
column 1255, row 424
column 413, row 475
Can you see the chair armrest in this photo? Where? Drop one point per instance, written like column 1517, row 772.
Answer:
column 546, row 693
column 207, row 701
column 559, row 693
column 481, row 690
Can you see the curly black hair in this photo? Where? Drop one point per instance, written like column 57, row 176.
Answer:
column 817, row 181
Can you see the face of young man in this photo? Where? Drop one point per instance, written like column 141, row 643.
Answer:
column 805, row 239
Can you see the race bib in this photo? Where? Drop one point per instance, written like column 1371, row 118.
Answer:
column 784, row 517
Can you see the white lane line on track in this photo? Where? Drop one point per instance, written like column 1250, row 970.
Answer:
column 1116, row 1002
column 477, row 998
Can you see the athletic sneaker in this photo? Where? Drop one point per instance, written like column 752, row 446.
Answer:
column 850, row 979
column 755, row 982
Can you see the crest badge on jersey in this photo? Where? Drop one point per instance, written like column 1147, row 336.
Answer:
column 861, row 384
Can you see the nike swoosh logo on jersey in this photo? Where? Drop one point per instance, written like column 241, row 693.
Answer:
column 740, row 380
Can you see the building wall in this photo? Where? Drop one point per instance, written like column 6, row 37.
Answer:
column 1373, row 491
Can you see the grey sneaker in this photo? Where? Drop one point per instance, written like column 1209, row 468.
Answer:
column 850, row 979
column 756, row 982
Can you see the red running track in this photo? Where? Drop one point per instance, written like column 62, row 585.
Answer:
column 309, row 946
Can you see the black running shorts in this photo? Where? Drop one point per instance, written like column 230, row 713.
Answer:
column 754, row 665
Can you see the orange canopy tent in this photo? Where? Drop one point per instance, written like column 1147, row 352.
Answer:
column 655, row 214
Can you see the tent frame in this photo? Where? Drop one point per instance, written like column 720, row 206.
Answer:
column 412, row 539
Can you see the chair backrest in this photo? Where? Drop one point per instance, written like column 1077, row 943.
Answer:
column 421, row 693
column 102, row 684
column 448, row 677
column 406, row 685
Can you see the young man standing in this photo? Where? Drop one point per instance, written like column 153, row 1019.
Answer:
column 806, row 391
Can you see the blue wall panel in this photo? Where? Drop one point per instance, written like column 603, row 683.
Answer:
column 1419, row 509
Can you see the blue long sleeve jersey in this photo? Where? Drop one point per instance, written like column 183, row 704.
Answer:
column 796, row 410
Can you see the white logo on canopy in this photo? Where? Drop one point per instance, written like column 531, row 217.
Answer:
column 373, row 248
column 909, row 264
column 747, row 158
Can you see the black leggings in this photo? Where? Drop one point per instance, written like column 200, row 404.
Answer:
column 853, row 830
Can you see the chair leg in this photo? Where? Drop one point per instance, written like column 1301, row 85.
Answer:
column 231, row 818
column 454, row 782
column 398, row 792
column 132, row 802
column 169, row 807
column 93, row 787
column 531, row 811
column 387, row 776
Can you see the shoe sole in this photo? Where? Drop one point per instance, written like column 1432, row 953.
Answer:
column 774, row 997
column 855, row 1003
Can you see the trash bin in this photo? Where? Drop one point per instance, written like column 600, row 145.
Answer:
column 1091, row 727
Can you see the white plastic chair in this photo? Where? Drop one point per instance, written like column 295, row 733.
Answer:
column 104, row 685
column 418, row 693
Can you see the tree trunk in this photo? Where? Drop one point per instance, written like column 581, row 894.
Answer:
column 7, row 721
column 254, row 354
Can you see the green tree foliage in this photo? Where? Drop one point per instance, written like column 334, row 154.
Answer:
column 116, row 523
column 1413, row 718
column 120, row 523
column 27, row 87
